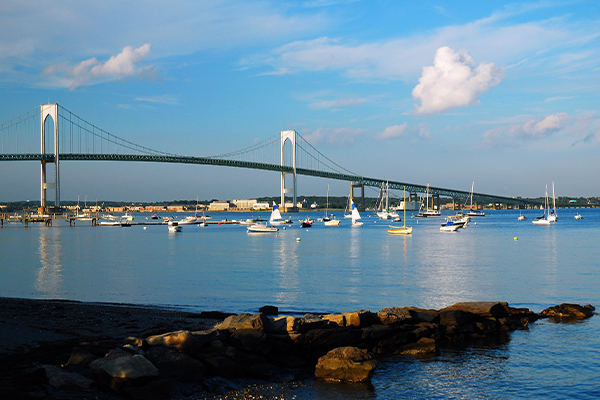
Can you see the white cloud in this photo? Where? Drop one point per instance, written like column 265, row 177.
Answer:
column 394, row 131
column 453, row 81
column 122, row 65
column 335, row 137
column 514, row 135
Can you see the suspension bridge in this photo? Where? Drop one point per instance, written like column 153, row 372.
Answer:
column 50, row 134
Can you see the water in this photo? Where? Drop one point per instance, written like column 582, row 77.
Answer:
column 337, row 269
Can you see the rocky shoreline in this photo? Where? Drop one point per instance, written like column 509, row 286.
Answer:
column 73, row 350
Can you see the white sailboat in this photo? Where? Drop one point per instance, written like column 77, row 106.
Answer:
column 428, row 212
column 472, row 212
column 276, row 219
column 552, row 217
column 355, row 215
column 543, row 220
column 401, row 230
column 384, row 212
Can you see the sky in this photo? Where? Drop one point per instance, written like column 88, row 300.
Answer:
column 503, row 94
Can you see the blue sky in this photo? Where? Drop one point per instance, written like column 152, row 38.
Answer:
column 500, row 93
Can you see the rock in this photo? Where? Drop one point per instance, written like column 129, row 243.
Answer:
column 221, row 365
column 112, row 355
column 346, row 364
column 310, row 322
column 183, row 341
column 424, row 315
column 570, row 311
column 455, row 317
column 337, row 319
column 280, row 324
column 424, row 346
column 172, row 364
column 64, row 380
column 252, row 340
column 128, row 371
column 481, row 308
column 81, row 357
column 244, row 321
column 269, row 310
column 360, row 318
column 394, row 315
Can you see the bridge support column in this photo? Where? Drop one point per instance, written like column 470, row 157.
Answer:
column 291, row 136
column 52, row 111
column 362, row 194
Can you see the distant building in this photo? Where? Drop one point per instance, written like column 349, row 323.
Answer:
column 244, row 204
column 219, row 206
column 176, row 208
column 261, row 206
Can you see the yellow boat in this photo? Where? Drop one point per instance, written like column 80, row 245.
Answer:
column 401, row 230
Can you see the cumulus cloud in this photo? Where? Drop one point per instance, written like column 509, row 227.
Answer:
column 453, row 81
column 120, row 66
column 514, row 134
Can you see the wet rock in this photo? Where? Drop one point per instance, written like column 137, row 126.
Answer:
column 455, row 317
column 569, row 311
column 360, row 318
column 253, row 340
column 64, row 380
column 180, row 340
column 346, row 364
column 481, row 308
column 269, row 310
column 111, row 355
column 81, row 357
column 244, row 321
column 310, row 322
column 173, row 364
column 424, row 346
column 128, row 371
column 394, row 315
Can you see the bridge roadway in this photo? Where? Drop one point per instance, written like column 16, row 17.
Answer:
column 355, row 179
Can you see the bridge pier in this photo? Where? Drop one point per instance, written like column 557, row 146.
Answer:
column 291, row 136
column 52, row 111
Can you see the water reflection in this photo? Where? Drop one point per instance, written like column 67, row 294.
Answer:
column 49, row 277
column 289, row 281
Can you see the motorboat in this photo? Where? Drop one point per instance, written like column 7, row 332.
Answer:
column 578, row 216
column 261, row 228
column 459, row 219
column 333, row 221
column 174, row 226
column 521, row 217
column 450, row 226
column 189, row 220
column 307, row 223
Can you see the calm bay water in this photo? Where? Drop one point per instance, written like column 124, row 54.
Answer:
column 337, row 269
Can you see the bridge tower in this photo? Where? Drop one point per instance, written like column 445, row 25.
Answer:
column 52, row 111
column 291, row 136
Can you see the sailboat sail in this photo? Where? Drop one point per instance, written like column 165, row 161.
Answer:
column 275, row 214
column 355, row 214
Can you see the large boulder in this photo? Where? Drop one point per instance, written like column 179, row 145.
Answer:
column 244, row 321
column 481, row 308
column 346, row 364
column 569, row 311
column 394, row 315
column 173, row 364
column 128, row 371
column 65, row 380
column 360, row 318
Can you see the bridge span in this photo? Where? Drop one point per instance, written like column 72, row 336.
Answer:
column 305, row 159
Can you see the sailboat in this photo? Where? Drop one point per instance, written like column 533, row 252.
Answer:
column 276, row 218
column 429, row 212
column 384, row 212
column 401, row 230
column 329, row 220
column 348, row 210
column 472, row 212
column 552, row 217
column 355, row 215
column 543, row 220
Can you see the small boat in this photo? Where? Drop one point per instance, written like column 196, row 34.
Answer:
column 355, row 215
column 578, row 216
column 276, row 219
column 333, row 221
column 459, row 219
column 474, row 212
column 307, row 223
column 450, row 226
column 521, row 217
column 428, row 212
column 552, row 217
column 174, row 226
column 189, row 220
column 154, row 216
column 401, row 230
column 261, row 228
column 543, row 219
column 248, row 221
